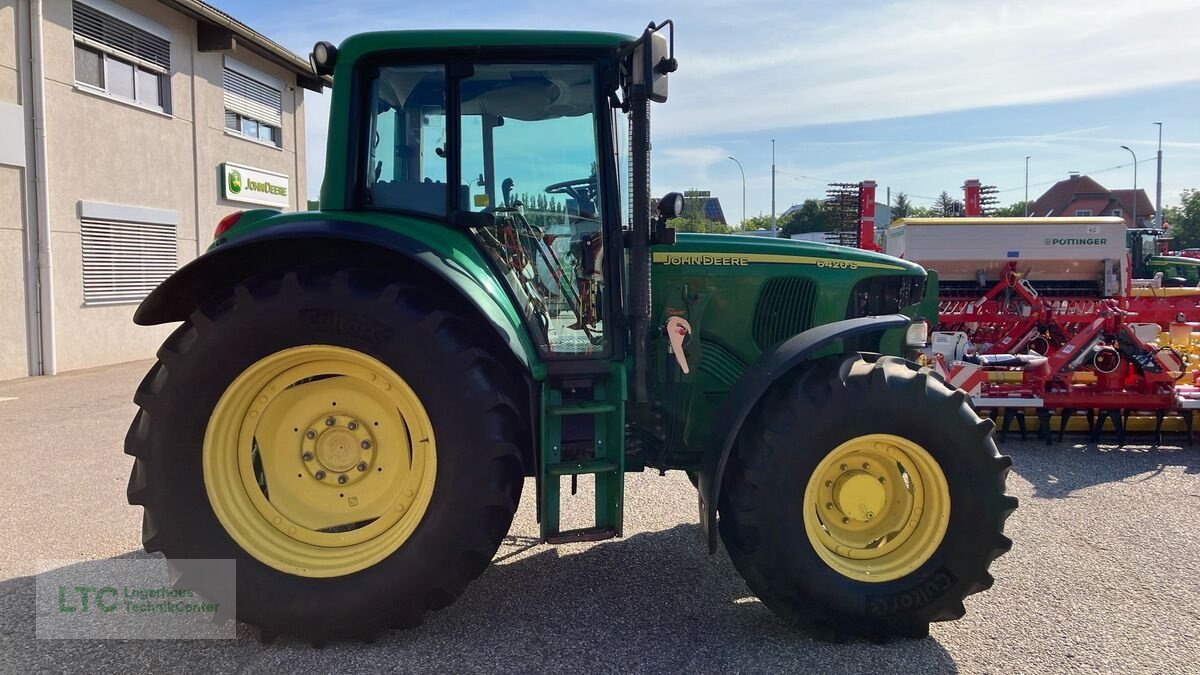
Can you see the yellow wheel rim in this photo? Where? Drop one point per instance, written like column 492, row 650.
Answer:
column 319, row 461
column 876, row 507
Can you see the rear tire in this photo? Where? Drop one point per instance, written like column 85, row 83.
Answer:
column 788, row 482
column 430, row 345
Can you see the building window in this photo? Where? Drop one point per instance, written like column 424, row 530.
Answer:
column 120, row 59
column 123, row 262
column 253, row 108
column 1117, row 212
column 1083, row 212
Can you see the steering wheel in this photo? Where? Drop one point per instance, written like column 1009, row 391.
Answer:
column 582, row 190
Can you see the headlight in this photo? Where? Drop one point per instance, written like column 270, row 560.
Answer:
column 918, row 334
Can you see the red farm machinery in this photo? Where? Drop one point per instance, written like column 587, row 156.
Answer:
column 1074, row 320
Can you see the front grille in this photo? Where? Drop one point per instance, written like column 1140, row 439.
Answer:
column 785, row 308
column 874, row 296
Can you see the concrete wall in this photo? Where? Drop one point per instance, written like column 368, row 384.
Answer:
column 216, row 145
column 14, row 354
column 106, row 150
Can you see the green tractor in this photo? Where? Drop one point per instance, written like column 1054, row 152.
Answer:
column 356, row 396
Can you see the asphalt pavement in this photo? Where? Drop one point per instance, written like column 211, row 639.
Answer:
column 1104, row 575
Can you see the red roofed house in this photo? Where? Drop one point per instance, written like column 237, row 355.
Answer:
column 1083, row 196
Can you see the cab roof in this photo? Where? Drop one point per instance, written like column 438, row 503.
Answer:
column 363, row 43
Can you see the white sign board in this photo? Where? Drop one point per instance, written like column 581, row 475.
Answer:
column 254, row 186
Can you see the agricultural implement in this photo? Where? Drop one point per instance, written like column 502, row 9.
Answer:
column 356, row 396
column 1063, row 294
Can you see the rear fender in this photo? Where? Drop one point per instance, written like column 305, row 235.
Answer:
column 749, row 389
column 299, row 242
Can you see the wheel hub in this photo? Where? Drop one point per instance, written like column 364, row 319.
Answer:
column 859, row 495
column 337, row 449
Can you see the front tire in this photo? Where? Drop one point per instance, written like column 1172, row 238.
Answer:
column 312, row 426
column 865, row 499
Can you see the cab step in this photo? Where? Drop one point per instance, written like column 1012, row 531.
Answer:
column 606, row 462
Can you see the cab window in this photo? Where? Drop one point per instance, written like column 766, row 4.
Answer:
column 529, row 157
column 406, row 147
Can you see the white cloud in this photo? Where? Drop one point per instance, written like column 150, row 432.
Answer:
column 918, row 57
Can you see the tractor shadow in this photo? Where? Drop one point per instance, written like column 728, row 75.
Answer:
column 1059, row 470
column 654, row 601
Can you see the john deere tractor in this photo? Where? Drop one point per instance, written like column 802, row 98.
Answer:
column 356, row 396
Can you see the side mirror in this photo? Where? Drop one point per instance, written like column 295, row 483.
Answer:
column 670, row 206
column 654, row 60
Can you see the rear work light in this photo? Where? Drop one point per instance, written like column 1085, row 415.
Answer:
column 226, row 223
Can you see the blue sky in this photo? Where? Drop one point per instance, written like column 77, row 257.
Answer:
column 917, row 95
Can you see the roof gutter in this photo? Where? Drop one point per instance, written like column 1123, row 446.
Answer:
column 254, row 41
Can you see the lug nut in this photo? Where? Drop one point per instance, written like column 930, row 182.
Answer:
column 845, row 521
column 828, row 483
column 320, row 475
column 352, row 425
column 866, row 465
column 366, row 445
column 308, row 456
column 844, row 467
column 329, row 421
column 342, row 479
column 829, row 505
column 362, row 466
column 882, row 479
column 310, row 435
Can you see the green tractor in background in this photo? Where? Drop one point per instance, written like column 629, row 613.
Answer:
column 356, row 395
column 1148, row 251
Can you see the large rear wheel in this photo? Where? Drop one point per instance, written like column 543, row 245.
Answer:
column 353, row 442
column 865, row 498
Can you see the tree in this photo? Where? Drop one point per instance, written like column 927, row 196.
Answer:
column 757, row 223
column 1185, row 220
column 1014, row 210
column 901, row 206
column 692, row 223
column 812, row 216
column 946, row 206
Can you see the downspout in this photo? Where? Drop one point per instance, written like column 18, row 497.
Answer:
column 42, row 191
column 33, row 330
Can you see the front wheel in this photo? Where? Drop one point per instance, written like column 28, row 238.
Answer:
column 865, row 499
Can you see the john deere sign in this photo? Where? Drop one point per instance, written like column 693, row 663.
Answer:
column 253, row 186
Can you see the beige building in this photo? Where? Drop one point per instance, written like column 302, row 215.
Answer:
column 128, row 129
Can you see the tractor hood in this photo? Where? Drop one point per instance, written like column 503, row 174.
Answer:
column 721, row 250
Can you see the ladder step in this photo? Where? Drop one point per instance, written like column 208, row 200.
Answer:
column 584, row 534
column 579, row 468
column 590, row 408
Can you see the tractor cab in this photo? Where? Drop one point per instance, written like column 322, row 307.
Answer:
column 522, row 152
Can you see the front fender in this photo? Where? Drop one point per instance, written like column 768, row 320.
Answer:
column 750, row 387
column 339, row 241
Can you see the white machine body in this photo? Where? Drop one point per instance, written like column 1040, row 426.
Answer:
column 1045, row 249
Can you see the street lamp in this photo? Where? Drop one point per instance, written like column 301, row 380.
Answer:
column 743, row 189
column 1126, row 147
column 1027, row 186
column 1158, row 214
column 773, row 233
